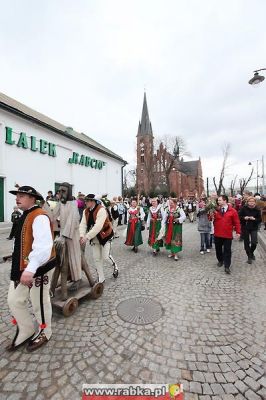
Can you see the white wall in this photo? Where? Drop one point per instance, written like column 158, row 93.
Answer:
column 26, row 167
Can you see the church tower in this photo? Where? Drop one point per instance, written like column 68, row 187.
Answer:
column 145, row 152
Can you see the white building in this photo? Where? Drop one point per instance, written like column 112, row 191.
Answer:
column 40, row 152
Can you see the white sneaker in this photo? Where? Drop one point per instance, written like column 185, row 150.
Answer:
column 201, row 252
column 170, row 255
column 208, row 250
column 176, row 258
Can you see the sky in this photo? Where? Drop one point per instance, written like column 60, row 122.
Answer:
column 87, row 63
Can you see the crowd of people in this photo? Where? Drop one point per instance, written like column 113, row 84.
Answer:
column 91, row 219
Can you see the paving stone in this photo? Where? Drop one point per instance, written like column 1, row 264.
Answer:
column 230, row 388
column 206, row 389
column 250, row 395
column 209, row 377
column 195, row 387
column 185, row 374
column 219, row 378
column 198, row 376
column 240, row 374
column 239, row 397
column 254, row 385
column 241, row 386
column 262, row 381
column 217, row 389
column 230, row 376
column 212, row 367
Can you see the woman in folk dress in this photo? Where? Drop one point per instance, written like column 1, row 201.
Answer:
column 174, row 218
column 135, row 219
column 154, row 224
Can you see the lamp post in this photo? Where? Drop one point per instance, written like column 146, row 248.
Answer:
column 257, row 78
column 255, row 81
column 257, row 174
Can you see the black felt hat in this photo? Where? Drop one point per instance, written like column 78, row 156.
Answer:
column 27, row 190
column 90, row 197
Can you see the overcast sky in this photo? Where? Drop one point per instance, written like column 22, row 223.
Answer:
column 86, row 63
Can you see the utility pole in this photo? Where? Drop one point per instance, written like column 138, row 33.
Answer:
column 263, row 176
column 257, row 175
column 208, row 194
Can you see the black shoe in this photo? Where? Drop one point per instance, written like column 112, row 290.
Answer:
column 135, row 249
column 249, row 260
column 220, row 264
column 227, row 270
column 253, row 257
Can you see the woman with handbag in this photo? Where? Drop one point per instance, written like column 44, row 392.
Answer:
column 174, row 218
column 135, row 225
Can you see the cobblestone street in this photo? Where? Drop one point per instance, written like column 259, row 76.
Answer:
column 211, row 335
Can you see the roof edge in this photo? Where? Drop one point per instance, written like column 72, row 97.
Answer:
column 61, row 132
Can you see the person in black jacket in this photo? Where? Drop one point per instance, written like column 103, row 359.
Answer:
column 250, row 217
column 16, row 214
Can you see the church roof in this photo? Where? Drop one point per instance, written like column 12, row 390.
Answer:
column 145, row 127
column 189, row 167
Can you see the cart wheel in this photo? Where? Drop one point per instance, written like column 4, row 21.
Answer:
column 70, row 306
column 97, row 290
column 115, row 273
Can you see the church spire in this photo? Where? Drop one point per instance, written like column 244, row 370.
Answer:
column 145, row 127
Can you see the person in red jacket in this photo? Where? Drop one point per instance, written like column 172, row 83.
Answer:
column 225, row 221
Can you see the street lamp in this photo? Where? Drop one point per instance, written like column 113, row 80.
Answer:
column 257, row 78
column 257, row 171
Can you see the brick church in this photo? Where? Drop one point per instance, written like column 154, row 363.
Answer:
column 184, row 178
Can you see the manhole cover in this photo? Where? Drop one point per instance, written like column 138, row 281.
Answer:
column 139, row 310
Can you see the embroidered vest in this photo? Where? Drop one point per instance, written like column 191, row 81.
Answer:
column 106, row 233
column 24, row 240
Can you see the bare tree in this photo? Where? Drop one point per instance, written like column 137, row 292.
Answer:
column 170, row 150
column 243, row 182
column 232, row 186
column 129, row 180
column 220, row 187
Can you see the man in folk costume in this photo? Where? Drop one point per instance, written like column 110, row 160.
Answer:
column 67, row 244
column 154, row 224
column 96, row 227
column 135, row 219
column 174, row 217
column 115, row 215
column 33, row 247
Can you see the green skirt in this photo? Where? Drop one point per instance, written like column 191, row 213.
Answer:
column 155, row 227
column 134, row 236
column 176, row 242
